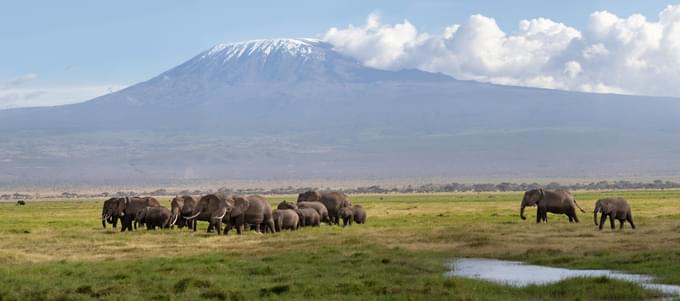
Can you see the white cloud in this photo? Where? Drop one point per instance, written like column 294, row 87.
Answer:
column 13, row 93
column 612, row 54
column 377, row 45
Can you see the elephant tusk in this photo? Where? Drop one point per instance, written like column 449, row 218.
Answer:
column 223, row 214
column 175, row 220
column 192, row 217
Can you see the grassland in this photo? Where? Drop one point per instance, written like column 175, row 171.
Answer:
column 57, row 250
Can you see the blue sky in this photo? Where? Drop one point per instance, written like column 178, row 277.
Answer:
column 67, row 44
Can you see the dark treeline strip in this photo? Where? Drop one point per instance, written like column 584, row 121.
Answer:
column 425, row 188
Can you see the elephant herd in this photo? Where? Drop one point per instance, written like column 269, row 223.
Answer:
column 225, row 212
column 562, row 202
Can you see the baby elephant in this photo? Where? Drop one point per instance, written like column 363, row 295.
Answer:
column 615, row 208
column 359, row 214
column 154, row 217
column 285, row 219
column 347, row 215
column 308, row 217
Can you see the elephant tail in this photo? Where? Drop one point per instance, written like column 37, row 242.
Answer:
column 579, row 207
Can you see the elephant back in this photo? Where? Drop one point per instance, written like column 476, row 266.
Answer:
column 334, row 200
column 135, row 204
column 318, row 206
column 309, row 196
column 286, row 205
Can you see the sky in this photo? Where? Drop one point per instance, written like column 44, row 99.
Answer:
column 57, row 52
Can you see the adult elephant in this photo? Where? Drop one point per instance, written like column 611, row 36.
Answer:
column 154, row 217
column 107, row 212
column 182, row 206
column 558, row 201
column 615, row 208
column 253, row 210
column 211, row 208
column 333, row 200
column 126, row 209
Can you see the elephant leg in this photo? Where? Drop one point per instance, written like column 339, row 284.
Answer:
column 621, row 224
column 270, row 225
column 218, row 227
column 603, row 219
column 611, row 221
column 195, row 222
column 539, row 215
column 575, row 217
column 124, row 223
column 571, row 219
column 115, row 222
column 629, row 218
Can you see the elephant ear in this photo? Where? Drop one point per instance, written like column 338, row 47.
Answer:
column 241, row 204
column 541, row 193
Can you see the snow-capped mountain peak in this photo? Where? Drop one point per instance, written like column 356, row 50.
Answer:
column 281, row 60
column 292, row 47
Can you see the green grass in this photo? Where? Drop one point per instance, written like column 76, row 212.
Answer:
column 57, row 250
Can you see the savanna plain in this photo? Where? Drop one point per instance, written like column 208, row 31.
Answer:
column 58, row 250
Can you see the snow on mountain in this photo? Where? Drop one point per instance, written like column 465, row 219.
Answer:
column 282, row 60
column 293, row 47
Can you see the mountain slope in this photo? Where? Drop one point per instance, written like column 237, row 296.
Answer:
column 295, row 108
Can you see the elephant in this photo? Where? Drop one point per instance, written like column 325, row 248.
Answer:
column 285, row 219
column 250, row 210
column 615, row 208
column 558, row 201
column 333, row 201
column 126, row 209
column 107, row 213
column 154, row 217
column 309, row 217
column 23, row 203
column 359, row 214
column 182, row 206
column 286, row 205
column 211, row 208
column 319, row 207
column 347, row 215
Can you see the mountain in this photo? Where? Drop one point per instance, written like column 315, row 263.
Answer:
column 297, row 109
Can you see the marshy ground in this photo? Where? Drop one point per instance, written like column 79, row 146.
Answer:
column 57, row 250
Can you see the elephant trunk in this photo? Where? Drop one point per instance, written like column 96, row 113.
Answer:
column 173, row 216
column 105, row 217
column 173, row 220
column 597, row 208
column 521, row 211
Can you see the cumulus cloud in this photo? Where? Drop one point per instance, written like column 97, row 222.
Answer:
column 17, row 92
column 613, row 54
